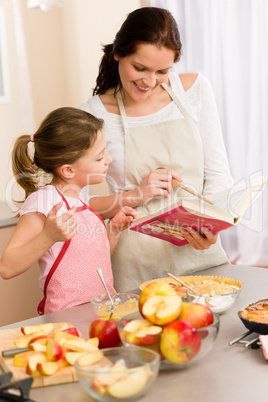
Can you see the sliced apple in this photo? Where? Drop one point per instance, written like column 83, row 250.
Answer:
column 161, row 309
column 61, row 337
column 142, row 332
column 128, row 386
column 38, row 347
column 93, row 341
column 47, row 368
column 89, row 358
column 42, row 339
column 71, row 330
column 54, row 350
column 21, row 359
column 63, row 326
column 47, row 328
column 31, row 367
column 71, row 357
column 23, row 341
column 80, row 346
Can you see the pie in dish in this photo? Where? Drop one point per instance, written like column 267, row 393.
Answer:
column 257, row 312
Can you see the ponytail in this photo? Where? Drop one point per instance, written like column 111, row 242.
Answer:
column 108, row 72
column 23, row 166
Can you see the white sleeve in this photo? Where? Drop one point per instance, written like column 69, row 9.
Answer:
column 217, row 174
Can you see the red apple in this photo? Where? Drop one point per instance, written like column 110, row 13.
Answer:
column 180, row 341
column 141, row 332
column 106, row 331
column 159, row 303
column 198, row 314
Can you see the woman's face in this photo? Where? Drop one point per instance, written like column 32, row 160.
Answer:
column 142, row 72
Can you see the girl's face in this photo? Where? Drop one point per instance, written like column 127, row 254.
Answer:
column 92, row 167
column 142, row 72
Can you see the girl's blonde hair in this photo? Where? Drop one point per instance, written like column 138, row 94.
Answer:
column 62, row 138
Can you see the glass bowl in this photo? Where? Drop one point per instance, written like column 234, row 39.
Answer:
column 123, row 373
column 218, row 297
column 188, row 346
column 125, row 303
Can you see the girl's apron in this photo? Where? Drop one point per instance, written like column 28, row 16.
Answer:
column 73, row 279
column 174, row 144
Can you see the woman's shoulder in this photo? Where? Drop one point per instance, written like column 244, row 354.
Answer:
column 192, row 81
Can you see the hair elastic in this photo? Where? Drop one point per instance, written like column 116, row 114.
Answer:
column 32, row 138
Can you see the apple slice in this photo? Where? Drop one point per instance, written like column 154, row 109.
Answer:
column 93, row 341
column 142, row 332
column 38, row 347
column 71, row 357
column 42, row 339
column 31, row 367
column 54, row 350
column 47, row 328
column 161, row 309
column 47, row 368
column 80, row 346
column 63, row 326
column 71, row 330
column 130, row 385
column 90, row 358
column 23, row 341
column 21, row 359
column 61, row 337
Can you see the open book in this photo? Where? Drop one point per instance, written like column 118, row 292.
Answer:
column 229, row 206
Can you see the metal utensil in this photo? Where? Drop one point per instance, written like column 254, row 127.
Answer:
column 184, row 284
column 111, row 306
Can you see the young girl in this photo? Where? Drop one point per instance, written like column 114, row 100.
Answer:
column 56, row 226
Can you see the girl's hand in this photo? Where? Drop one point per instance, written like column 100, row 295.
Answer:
column 61, row 228
column 198, row 241
column 158, row 182
column 122, row 219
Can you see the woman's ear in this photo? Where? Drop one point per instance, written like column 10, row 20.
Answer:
column 66, row 171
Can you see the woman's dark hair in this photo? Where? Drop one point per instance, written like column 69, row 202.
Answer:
column 145, row 25
column 62, row 138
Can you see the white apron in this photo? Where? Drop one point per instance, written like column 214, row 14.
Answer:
column 73, row 279
column 176, row 145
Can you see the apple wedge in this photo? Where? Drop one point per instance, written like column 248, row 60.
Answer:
column 47, row 328
column 161, row 309
column 129, row 385
column 93, row 341
column 47, row 368
column 31, row 367
column 80, row 346
column 21, row 359
column 23, row 341
column 54, row 350
column 63, row 326
column 141, row 332
column 38, row 347
column 62, row 337
column 71, row 357
column 89, row 358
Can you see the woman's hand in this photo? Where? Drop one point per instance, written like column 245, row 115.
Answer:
column 61, row 228
column 158, row 182
column 198, row 241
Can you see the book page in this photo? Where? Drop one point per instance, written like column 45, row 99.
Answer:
column 237, row 199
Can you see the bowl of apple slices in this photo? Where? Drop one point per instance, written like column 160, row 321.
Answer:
column 123, row 373
column 180, row 332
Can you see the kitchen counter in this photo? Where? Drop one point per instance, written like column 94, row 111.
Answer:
column 226, row 374
column 6, row 215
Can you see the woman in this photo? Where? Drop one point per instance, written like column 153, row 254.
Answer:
column 156, row 118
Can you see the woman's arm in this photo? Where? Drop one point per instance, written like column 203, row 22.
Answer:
column 158, row 182
column 34, row 235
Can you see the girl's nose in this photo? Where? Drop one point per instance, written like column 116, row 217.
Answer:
column 108, row 159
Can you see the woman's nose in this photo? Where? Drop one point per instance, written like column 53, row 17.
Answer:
column 150, row 80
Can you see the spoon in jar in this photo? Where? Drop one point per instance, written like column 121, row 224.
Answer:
column 184, row 284
column 111, row 306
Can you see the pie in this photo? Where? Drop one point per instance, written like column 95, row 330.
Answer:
column 257, row 312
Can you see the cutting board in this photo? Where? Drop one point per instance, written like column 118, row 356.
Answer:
column 63, row 375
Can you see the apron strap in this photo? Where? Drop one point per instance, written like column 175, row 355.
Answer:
column 175, row 98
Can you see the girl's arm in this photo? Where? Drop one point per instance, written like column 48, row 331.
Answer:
column 124, row 217
column 158, row 182
column 34, row 235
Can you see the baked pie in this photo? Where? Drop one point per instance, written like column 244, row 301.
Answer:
column 257, row 312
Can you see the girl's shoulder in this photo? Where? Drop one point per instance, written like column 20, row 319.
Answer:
column 41, row 201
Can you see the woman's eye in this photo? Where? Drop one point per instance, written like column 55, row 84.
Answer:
column 139, row 69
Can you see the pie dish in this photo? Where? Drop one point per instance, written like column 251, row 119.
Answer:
column 255, row 316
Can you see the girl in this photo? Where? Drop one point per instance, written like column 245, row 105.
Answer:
column 56, row 226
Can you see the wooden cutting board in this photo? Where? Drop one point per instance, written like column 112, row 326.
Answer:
column 63, row 375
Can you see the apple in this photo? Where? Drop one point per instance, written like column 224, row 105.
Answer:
column 54, row 350
column 41, row 339
column 94, row 341
column 47, row 368
column 198, row 314
column 90, row 358
column 106, row 331
column 71, row 330
column 38, row 347
column 47, row 328
column 141, row 332
column 159, row 303
column 31, row 367
column 129, row 385
column 180, row 341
